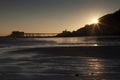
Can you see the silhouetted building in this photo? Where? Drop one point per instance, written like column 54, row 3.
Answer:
column 65, row 33
column 17, row 34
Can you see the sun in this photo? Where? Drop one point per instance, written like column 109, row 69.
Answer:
column 95, row 21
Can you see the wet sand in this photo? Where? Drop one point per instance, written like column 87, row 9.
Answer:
column 61, row 63
column 85, row 51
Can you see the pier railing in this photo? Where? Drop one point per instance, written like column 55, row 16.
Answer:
column 40, row 34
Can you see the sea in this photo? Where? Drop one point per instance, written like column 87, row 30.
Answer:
column 21, row 59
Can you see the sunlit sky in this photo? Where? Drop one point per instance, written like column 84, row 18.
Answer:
column 51, row 15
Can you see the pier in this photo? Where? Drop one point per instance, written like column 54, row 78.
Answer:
column 31, row 35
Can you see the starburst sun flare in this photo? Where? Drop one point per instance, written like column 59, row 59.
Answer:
column 95, row 21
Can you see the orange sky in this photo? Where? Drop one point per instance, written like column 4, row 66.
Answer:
column 51, row 15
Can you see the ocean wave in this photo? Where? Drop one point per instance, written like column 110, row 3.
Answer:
column 10, row 42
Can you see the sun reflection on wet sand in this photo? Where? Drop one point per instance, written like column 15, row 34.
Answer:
column 95, row 44
column 92, row 69
column 95, row 66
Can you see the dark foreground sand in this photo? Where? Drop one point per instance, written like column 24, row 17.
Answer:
column 61, row 63
column 86, row 51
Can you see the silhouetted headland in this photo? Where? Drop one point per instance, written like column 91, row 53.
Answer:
column 109, row 25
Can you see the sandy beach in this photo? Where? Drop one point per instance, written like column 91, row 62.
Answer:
column 85, row 51
column 61, row 63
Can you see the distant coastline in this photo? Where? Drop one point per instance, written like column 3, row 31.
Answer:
column 108, row 25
